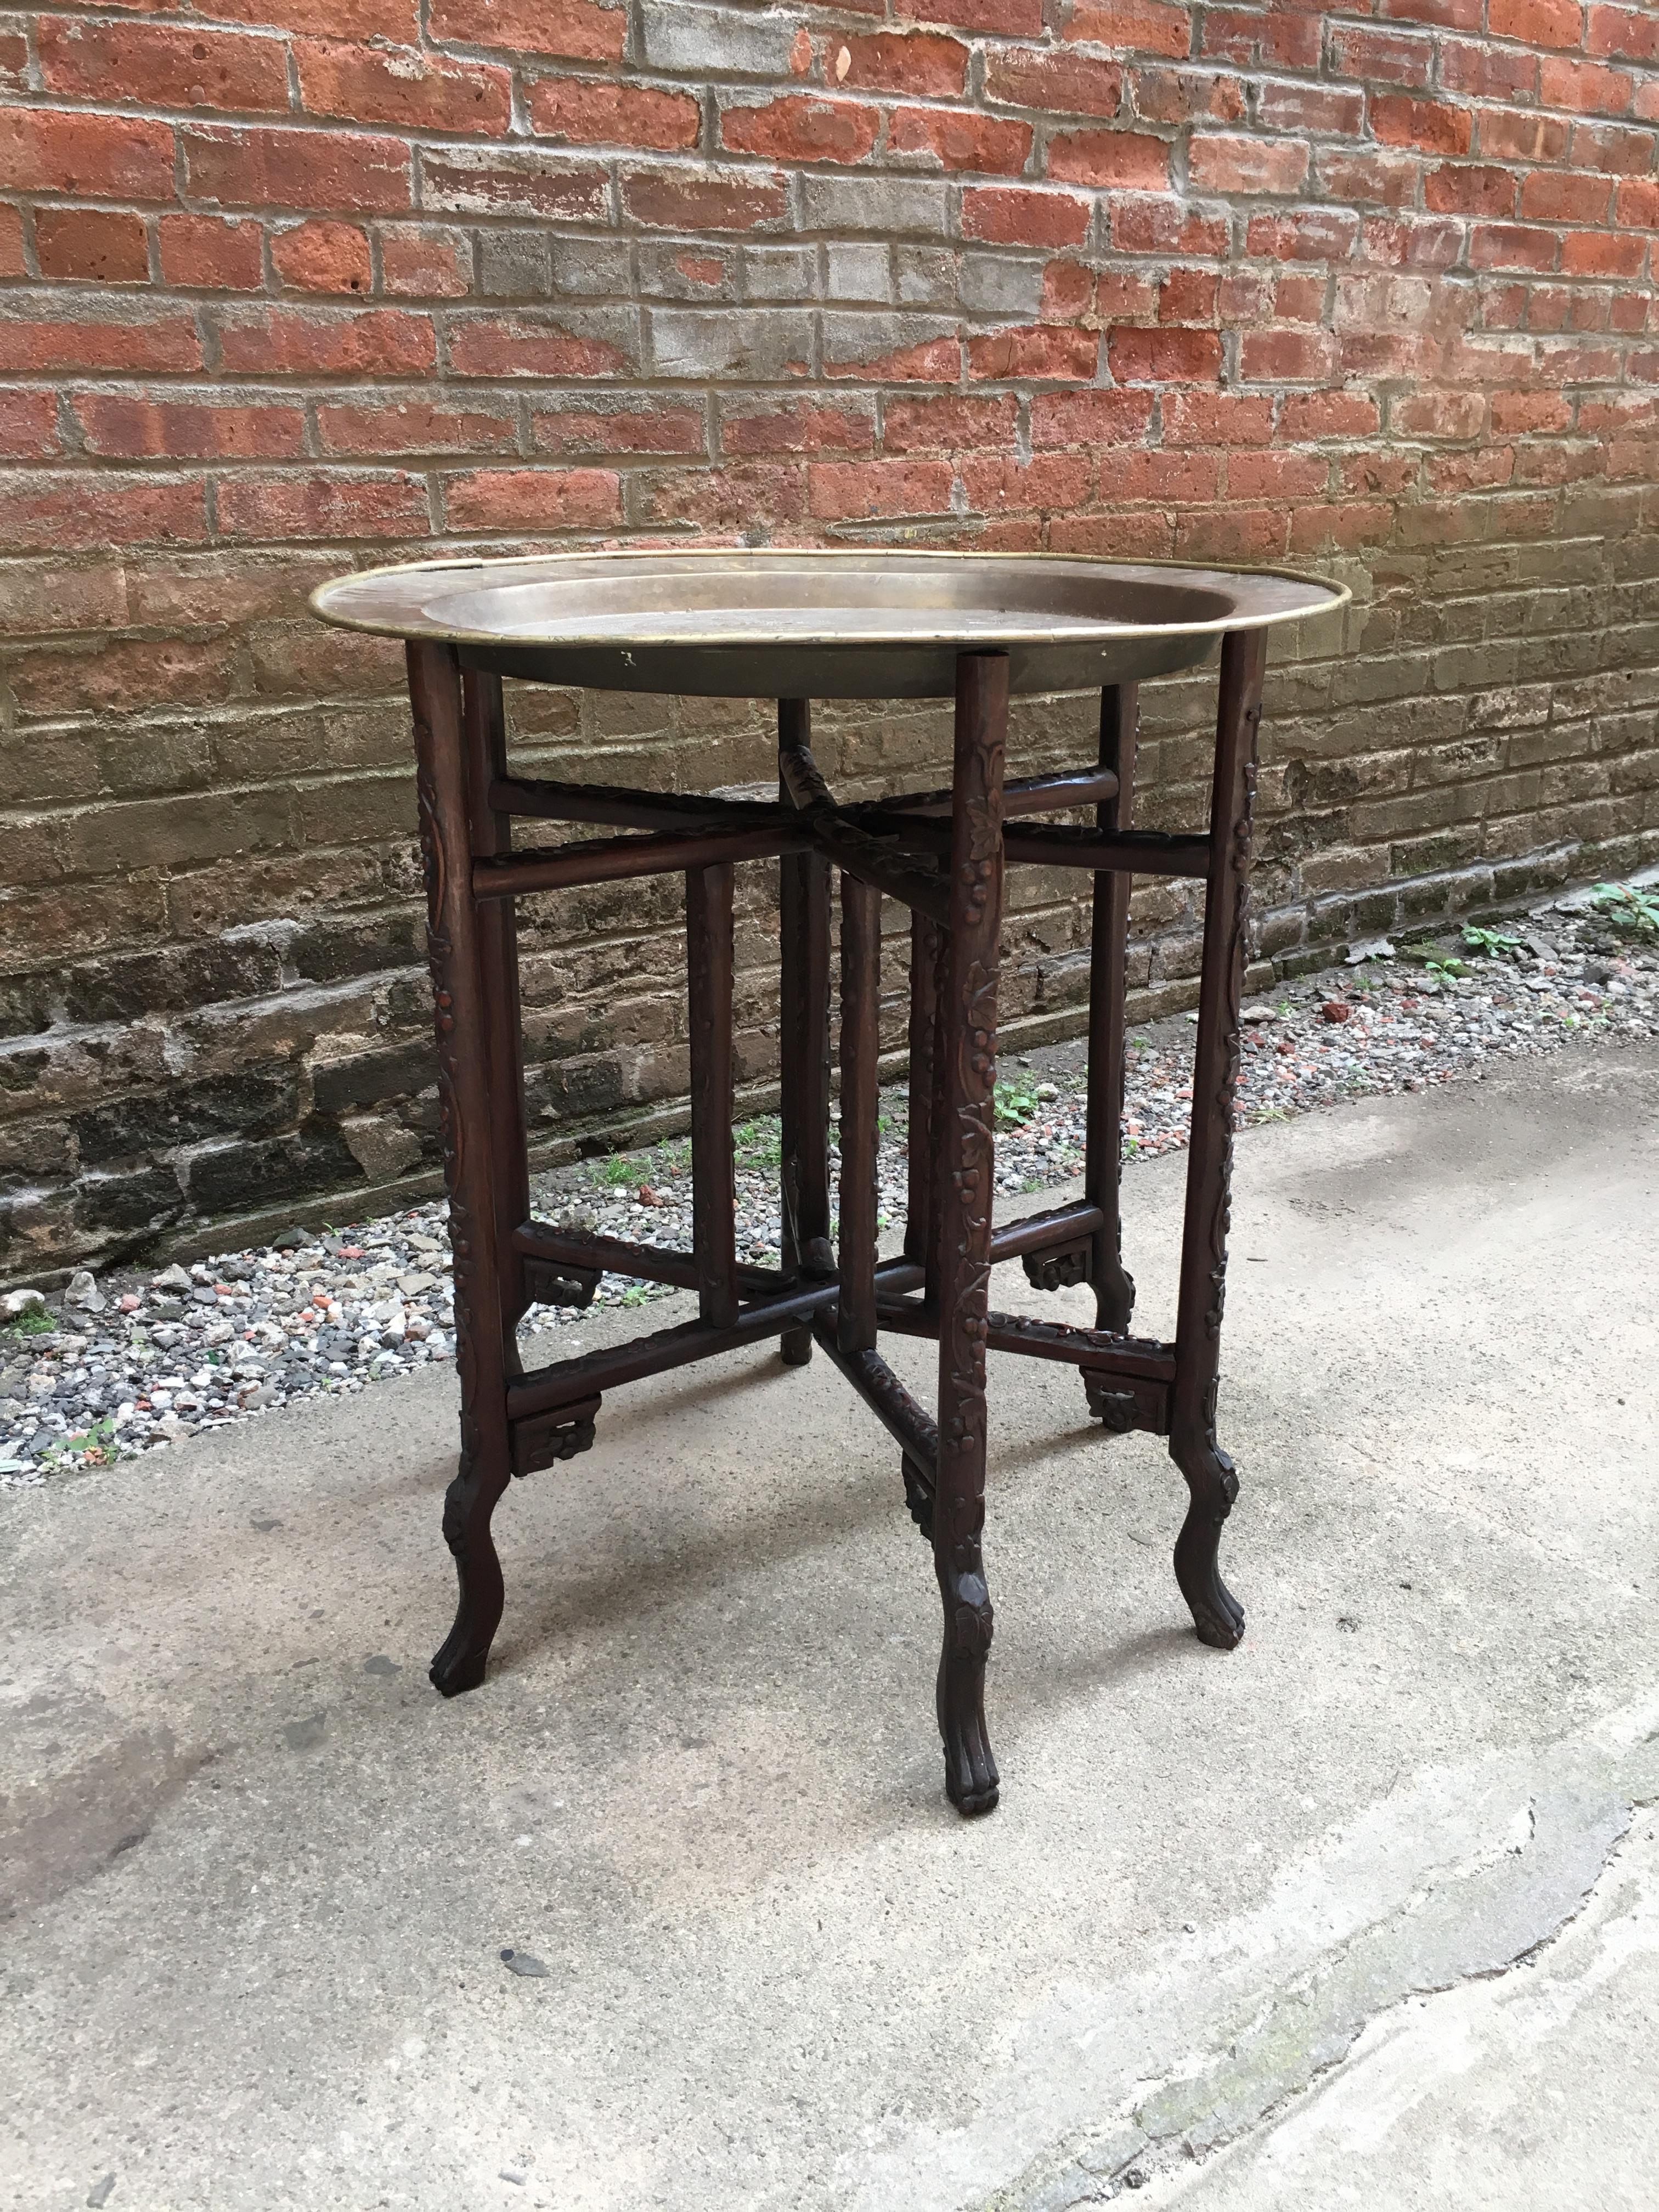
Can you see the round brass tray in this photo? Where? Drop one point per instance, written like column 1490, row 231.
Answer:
column 858, row 624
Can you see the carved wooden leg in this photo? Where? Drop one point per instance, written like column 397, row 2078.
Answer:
column 1113, row 1285
column 462, row 1020
column 966, row 1045
column 919, row 1150
column 484, row 729
column 804, row 1048
column 1211, row 1480
column 860, row 1050
column 926, row 948
column 708, row 894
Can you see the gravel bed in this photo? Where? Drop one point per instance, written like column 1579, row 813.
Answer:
column 129, row 1363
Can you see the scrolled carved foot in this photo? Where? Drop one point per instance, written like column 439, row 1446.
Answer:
column 971, row 1781
column 917, row 1497
column 1213, row 1482
column 458, row 1665
column 1057, row 1271
column 463, row 1654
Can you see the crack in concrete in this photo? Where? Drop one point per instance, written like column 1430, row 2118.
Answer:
column 1462, row 1874
column 1309, row 2029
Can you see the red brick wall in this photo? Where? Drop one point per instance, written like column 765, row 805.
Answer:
column 1366, row 287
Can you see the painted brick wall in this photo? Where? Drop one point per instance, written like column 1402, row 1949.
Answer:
column 288, row 286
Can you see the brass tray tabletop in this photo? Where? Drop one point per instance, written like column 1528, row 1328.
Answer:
column 853, row 624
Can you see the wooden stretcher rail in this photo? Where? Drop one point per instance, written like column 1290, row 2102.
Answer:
column 1027, row 794
column 567, row 1380
column 625, row 809
column 609, row 860
column 619, row 1255
column 1132, row 852
column 880, row 866
column 1038, row 1232
column 887, row 1398
column 1043, row 1340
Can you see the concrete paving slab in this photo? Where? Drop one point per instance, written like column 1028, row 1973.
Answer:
column 261, row 1880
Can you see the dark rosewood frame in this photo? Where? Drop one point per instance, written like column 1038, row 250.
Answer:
column 943, row 854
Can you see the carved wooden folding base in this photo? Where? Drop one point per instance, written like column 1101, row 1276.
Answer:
column 943, row 854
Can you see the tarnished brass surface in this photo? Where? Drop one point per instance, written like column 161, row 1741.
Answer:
column 856, row 624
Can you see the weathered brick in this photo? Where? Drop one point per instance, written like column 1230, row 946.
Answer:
column 162, row 65
column 323, row 257
column 393, row 20
column 62, row 510
column 1016, row 215
column 160, row 427
column 416, row 424
column 1148, row 27
column 1049, row 482
column 1254, row 39
column 1431, row 126
column 1330, row 415
column 800, row 127
column 1176, row 95
column 576, row 30
column 425, row 261
column 95, row 156
column 1168, row 356
column 1587, row 88
column 750, row 426
column 321, row 503
column 1067, row 418
column 1217, row 418
column 301, row 169
column 207, row 253
column 948, row 424
column 1536, row 22
column 1046, row 352
column 696, row 200
column 837, row 491
column 737, row 343
column 1511, row 246
column 581, row 342
column 915, row 62
column 1470, row 188
column 1114, row 158
column 294, row 341
column 741, row 497
column 1012, row 19
column 513, row 180
column 890, row 348
column 94, row 245
column 28, row 424
column 581, row 111
column 1516, row 134
column 1054, row 82
column 1386, row 180
column 415, row 91
column 1228, row 163
column 533, row 499
column 1558, row 196
column 956, row 138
